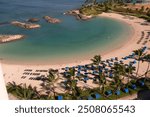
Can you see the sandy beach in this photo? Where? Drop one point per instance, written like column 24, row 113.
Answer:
column 15, row 72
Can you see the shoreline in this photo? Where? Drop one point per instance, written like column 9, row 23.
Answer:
column 106, row 54
column 86, row 59
column 14, row 72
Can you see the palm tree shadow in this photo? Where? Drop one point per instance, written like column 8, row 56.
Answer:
column 143, row 95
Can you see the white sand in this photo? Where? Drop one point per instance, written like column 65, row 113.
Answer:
column 15, row 72
column 3, row 92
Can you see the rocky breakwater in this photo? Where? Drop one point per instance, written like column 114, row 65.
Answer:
column 25, row 25
column 78, row 15
column 9, row 38
column 32, row 20
column 51, row 19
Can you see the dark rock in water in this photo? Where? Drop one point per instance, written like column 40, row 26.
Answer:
column 9, row 38
column 33, row 20
column 4, row 23
column 51, row 19
column 25, row 25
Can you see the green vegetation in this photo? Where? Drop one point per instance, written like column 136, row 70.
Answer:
column 120, row 71
column 22, row 91
column 92, row 7
column 90, row 10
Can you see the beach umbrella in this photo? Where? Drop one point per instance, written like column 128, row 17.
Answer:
column 85, row 69
column 110, row 74
column 92, row 67
column 96, row 95
column 125, row 58
column 141, row 83
column 112, row 59
column 86, row 78
column 121, row 61
column 117, row 92
column 144, row 48
column 60, row 97
column 78, row 74
column 133, row 86
column 134, row 62
column 110, row 64
column 99, row 67
column 108, row 93
column 66, row 68
column 126, row 90
column 100, row 71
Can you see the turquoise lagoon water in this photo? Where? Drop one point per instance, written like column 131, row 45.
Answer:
column 69, row 41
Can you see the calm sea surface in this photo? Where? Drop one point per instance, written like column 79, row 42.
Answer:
column 68, row 41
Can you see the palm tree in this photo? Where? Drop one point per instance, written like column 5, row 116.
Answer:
column 147, row 59
column 22, row 91
column 72, row 73
column 71, row 83
column 129, row 70
column 102, row 82
column 119, row 74
column 96, row 59
column 119, row 69
column 50, row 77
column 117, row 83
column 48, row 84
column 11, row 87
column 139, row 55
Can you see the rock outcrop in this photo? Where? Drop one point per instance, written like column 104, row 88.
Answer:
column 9, row 38
column 78, row 15
column 32, row 20
column 25, row 25
column 51, row 19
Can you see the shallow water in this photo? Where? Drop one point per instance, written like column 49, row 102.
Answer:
column 70, row 40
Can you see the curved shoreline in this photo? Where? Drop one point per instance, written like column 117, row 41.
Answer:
column 14, row 72
column 107, row 54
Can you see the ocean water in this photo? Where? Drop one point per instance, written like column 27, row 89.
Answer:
column 71, row 40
